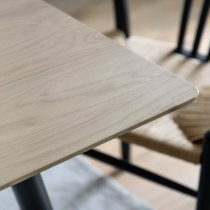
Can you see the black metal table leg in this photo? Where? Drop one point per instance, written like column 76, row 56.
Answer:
column 32, row 195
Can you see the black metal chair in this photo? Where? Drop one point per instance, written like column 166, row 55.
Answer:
column 159, row 52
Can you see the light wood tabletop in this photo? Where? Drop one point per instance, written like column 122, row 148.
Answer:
column 66, row 88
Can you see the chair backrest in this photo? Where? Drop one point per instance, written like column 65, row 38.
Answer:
column 122, row 23
column 198, row 35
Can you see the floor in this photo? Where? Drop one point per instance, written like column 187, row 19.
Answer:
column 148, row 19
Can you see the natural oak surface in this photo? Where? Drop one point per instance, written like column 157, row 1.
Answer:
column 66, row 88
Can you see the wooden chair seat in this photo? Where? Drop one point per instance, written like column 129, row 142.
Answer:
column 164, row 135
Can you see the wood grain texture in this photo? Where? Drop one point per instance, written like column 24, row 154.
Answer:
column 66, row 88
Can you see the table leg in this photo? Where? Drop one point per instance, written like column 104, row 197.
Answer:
column 32, row 195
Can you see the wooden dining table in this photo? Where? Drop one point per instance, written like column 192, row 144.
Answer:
column 64, row 89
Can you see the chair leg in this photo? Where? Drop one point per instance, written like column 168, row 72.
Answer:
column 203, row 202
column 125, row 151
column 122, row 16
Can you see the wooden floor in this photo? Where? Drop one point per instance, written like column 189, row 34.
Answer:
column 157, row 19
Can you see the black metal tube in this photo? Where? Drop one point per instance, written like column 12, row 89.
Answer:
column 201, row 24
column 140, row 172
column 208, row 56
column 32, row 195
column 122, row 16
column 125, row 150
column 203, row 202
column 183, row 25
